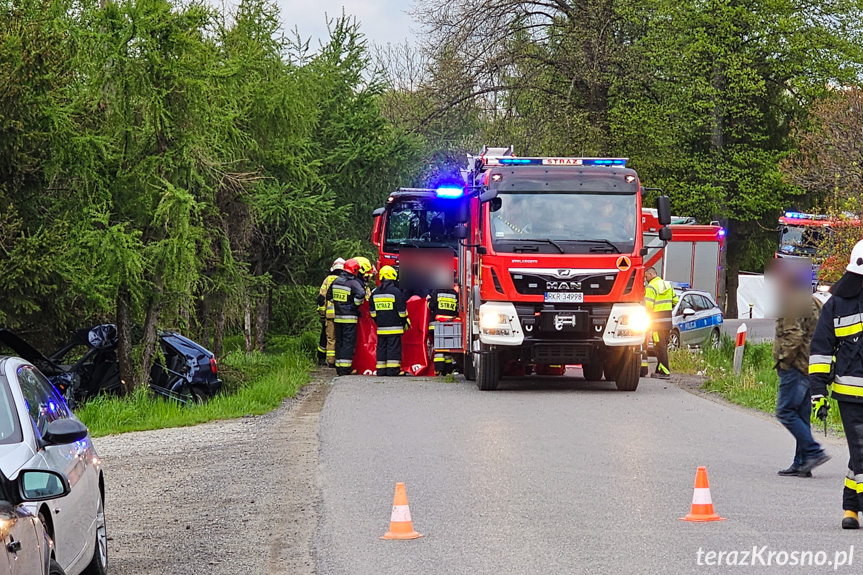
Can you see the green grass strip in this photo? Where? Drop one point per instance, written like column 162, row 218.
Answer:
column 255, row 383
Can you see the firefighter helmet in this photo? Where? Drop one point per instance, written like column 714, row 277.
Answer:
column 366, row 267
column 855, row 266
column 352, row 266
column 388, row 273
column 338, row 264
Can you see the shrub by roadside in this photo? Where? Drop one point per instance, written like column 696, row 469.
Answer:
column 755, row 387
column 255, row 383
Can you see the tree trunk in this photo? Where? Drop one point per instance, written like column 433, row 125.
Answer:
column 204, row 321
column 124, row 340
column 247, row 322
column 262, row 320
column 151, row 339
column 219, row 329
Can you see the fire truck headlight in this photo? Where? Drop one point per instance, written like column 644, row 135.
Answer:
column 638, row 320
column 490, row 319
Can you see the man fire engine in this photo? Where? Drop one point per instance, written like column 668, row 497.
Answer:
column 551, row 265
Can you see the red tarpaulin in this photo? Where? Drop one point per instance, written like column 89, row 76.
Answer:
column 415, row 358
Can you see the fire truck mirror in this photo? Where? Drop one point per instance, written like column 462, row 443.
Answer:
column 665, row 234
column 488, row 196
column 462, row 213
column 495, row 204
column 460, row 232
column 663, row 210
column 378, row 212
column 644, row 251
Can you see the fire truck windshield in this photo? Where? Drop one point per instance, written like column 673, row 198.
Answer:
column 568, row 222
column 799, row 240
column 419, row 223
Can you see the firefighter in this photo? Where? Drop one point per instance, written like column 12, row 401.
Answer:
column 836, row 360
column 390, row 312
column 367, row 273
column 443, row 304
column 347, row 294
column 659, row 299
column 327, row 342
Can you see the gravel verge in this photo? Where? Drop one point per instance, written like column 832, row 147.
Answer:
column 223, row 498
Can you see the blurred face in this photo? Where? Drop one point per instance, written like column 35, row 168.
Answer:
column 789, row 283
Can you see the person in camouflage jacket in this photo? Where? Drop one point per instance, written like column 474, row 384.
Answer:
column 793, row 407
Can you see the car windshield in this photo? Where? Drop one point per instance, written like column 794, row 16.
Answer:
column 10, row 429
column 799, row 240
column 420, row 223
column 571, row 222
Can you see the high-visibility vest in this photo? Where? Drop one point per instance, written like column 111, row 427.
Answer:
column 659, row 297
column 327, row 310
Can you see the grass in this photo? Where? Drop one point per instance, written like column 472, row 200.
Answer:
column 255, row 383
column 755, row 387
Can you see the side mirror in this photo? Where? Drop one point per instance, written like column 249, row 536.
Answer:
column 462, row 213
column 644, row 251
column 665, row 234
column 41, row 484
column 663, row 210
column 487, row 196
column 495, row 204
column 378, row 212
column 64, row 431
column 688, row 311
column 460, row 232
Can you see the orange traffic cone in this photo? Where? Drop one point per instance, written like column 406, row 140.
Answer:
column 702, row 504
column 401, row 526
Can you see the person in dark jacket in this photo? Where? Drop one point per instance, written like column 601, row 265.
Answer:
column 347, row 293
column 794, row 330
column 443, row 304
column 836, row 361
column 390, row 312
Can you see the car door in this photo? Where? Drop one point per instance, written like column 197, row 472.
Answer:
column 73, row 515
column 23, row 549
column 705, row 319
column 686, row 323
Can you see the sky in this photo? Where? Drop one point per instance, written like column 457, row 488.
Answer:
column 382, row 21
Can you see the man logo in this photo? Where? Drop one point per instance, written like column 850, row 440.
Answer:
column 564, row 273
column 552, row 286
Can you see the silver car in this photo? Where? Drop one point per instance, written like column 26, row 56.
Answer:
column 38, row 431
column 697, row 320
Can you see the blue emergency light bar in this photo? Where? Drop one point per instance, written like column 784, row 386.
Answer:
column 800, row 216
column 508, row 161
column 450, row 192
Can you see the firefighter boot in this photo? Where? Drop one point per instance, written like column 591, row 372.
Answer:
column 850, row 521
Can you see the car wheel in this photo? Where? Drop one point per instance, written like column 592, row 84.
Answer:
column 715, row 338
column 55, row 569
column 99, row 561
column 197, row 395
column 674, row 339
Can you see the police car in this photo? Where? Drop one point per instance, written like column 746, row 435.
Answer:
column 696, row 318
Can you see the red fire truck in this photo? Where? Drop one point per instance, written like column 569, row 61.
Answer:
column 801, row 234
column 550, row 261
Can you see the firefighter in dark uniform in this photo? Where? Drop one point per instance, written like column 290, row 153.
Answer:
column 659, row 300
column 443, row 304
column 836, row 361
column 347, row 294
column 390, row 312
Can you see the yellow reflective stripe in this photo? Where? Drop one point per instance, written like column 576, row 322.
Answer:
column 819, row 368
column 847, row 389
column 403, row 314
column 393, row 364
column 849, row 330
column 381, row 364
column 390, row 330
column 385, row 297
column 345, row 319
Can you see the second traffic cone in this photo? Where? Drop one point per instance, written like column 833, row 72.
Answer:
column 702, row 504
column 401, row 525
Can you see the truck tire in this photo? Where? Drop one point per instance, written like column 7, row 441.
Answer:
column 592, row 371
column 488, row 369
column 469, row 367
column 627, row 376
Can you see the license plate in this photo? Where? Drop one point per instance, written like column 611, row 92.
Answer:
column 564, row 297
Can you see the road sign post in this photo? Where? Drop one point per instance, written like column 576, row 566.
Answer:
column 739, row 346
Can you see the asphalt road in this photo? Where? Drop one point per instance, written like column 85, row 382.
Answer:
column 557, row 475
column 757, row 329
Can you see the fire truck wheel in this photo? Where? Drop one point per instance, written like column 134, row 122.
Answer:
column 628, row 369
column 592, row 371
column 488, row 369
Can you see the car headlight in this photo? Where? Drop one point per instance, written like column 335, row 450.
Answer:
column 638, row 320
column 492, row 319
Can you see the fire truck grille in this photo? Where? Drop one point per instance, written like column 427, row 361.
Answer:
column 539, row 284
column 561, row 353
